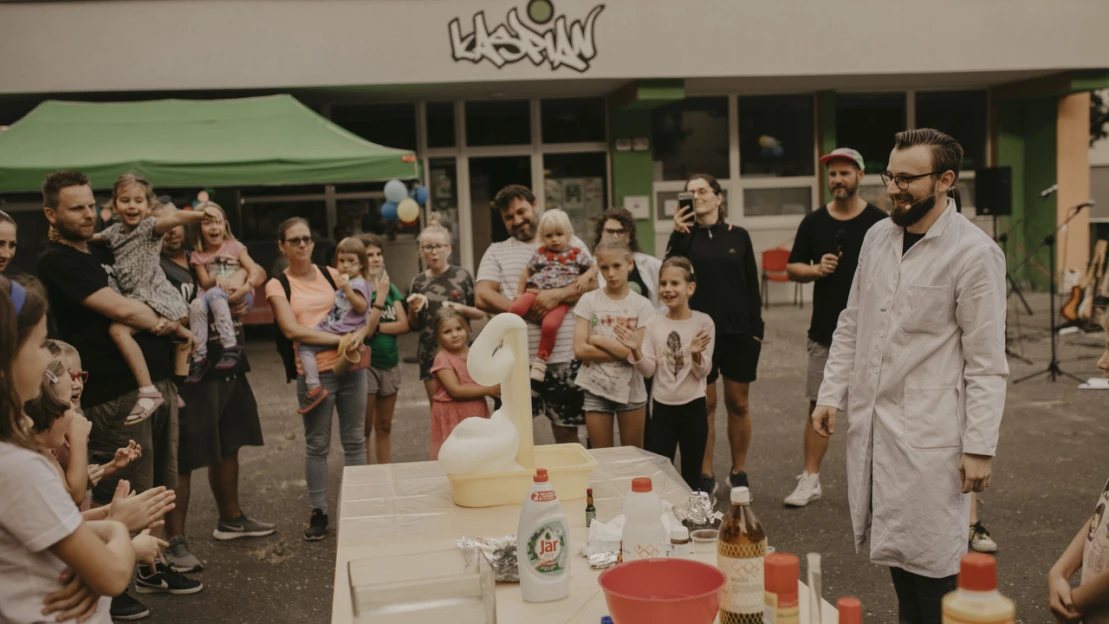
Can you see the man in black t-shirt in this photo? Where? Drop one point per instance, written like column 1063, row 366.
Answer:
column 826, row 250
column 84, row 301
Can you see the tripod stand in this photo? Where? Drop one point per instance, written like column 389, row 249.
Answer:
column 1053, row 371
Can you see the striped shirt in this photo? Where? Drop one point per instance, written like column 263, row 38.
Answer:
column 503, row 263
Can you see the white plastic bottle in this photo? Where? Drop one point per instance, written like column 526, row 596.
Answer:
column 543, row 544
column 644, row 536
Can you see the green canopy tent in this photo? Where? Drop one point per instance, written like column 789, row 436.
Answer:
column 255, row 141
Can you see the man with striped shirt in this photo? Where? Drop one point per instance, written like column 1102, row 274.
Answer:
column 557, row 397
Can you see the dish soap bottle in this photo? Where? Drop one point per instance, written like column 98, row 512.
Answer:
column 740, row 550
column 543, row 544
column 977, row 600
column 644, row 535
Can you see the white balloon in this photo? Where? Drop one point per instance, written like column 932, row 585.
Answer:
column 395, row 191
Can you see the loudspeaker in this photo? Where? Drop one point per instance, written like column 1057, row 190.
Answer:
column 993, row 191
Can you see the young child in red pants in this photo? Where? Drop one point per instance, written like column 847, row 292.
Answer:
column 554, row 265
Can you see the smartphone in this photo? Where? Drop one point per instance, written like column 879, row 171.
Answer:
column 685, row 200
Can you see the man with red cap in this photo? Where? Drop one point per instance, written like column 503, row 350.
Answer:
column 826, row 251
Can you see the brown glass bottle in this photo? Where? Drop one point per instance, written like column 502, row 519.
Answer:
column 740, row 550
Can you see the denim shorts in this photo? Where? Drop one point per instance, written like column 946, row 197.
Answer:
column 597, row 403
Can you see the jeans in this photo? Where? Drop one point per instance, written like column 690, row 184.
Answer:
column 214, row 300
column 919, row 598
column 348, row 395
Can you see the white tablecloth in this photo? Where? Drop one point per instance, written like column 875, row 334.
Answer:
column 400, row 509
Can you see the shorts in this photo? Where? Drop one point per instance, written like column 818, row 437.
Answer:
column 736, row 357
column 220, row 417
column 818, row 357
column 598, row 403
column 157, row 435
column 383, row 382
column 557, row 397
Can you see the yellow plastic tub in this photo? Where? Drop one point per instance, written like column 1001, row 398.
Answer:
column 568, row 466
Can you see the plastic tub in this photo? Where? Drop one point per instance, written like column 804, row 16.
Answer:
column 662, row 591
column 568, row 467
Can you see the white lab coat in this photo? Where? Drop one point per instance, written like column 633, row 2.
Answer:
column 918, row 363
column 648, row 269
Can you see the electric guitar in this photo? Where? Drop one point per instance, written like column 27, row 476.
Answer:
column 1070, row 308
column 1086, row 307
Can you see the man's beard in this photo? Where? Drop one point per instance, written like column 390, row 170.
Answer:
column 73, row 236
column 525, row 232
column 848, row 191
column 906, row 217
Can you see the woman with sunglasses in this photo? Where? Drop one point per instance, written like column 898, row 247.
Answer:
column 441, row 284
column 311, row 297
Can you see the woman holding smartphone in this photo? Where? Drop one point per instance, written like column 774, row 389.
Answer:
column 723, row 260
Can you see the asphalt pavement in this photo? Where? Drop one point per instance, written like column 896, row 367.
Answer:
column 1051, row 465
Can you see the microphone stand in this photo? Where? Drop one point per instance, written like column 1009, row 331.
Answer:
column 1053, row 371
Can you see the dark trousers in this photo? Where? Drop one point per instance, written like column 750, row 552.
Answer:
column 685, row 426
column 919, row 597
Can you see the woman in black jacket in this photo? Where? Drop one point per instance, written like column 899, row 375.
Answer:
column 728, row 291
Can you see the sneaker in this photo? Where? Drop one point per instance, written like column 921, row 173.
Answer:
column 980, row 540
column 179, row 558
column 312, row 399
column 708, row 485
column 738, row 479
column 228, row 360
column 163, row 580
column 538, row 370
column 317, row 526
column 243, row 527
column 197, row 370
column 807, row 490
column 126, row 609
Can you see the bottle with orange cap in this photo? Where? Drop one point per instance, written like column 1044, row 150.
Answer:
column 850, row 610
column 781, row 571
column 977, row 601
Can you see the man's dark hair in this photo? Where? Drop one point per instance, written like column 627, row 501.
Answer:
column 511, row 193
column 55, row 182
column 626, row 221
column 947, row 154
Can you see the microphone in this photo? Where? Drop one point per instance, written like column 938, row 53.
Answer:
column 1049, row 190
column 841, row 238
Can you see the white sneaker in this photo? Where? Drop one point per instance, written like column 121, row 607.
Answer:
column 538, row 370
column 808, row 490
column 980, row 540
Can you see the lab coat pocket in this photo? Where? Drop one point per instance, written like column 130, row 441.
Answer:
column 927, row 309
column 931, row 417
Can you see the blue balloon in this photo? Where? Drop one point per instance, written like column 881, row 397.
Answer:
column 395, row 190
column 420, row 195
column 389, row 211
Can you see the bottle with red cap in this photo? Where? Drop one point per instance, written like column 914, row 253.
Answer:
column 850, row 610
column 977, row 600
column 781, row 572
column 543, row 544
column 644, row 535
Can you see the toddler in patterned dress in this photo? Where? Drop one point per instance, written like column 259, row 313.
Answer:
column 554, row 265
column 136, row 242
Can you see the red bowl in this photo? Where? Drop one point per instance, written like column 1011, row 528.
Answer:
column 662, row 591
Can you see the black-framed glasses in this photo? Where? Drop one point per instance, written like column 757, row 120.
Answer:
column 82, row 376
column 298, row 241
column 433, row 248
column 616, row 232
column 903, row 181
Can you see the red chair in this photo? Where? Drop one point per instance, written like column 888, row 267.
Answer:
column 774, row 263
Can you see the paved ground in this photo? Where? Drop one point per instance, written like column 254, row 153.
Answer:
column 1051, row 466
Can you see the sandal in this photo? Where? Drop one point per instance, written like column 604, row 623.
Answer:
column 312, row 399
column 149, row 399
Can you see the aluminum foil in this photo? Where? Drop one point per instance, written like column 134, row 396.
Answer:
column 501, row 553
column 698, row 512
column 603, row 560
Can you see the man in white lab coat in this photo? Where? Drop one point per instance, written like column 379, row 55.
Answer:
column 918, row 364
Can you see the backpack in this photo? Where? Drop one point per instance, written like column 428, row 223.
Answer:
column 284, row 345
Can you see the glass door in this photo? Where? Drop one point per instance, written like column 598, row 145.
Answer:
column 488, row 175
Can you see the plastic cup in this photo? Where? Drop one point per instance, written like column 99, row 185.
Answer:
column 704, row 540
column 181, row 359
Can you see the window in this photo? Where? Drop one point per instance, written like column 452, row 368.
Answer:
column 498, row 123
column 571, row 121
column 963, row 115
column 443, row 199
column 691, row 136
column 391, row 125
column 261, row 218
column 867, row 122
column 764, row 202
column 776, row 135
column 440, row 124
column 575, row 183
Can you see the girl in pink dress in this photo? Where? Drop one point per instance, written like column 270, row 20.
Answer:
column 457, row 396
